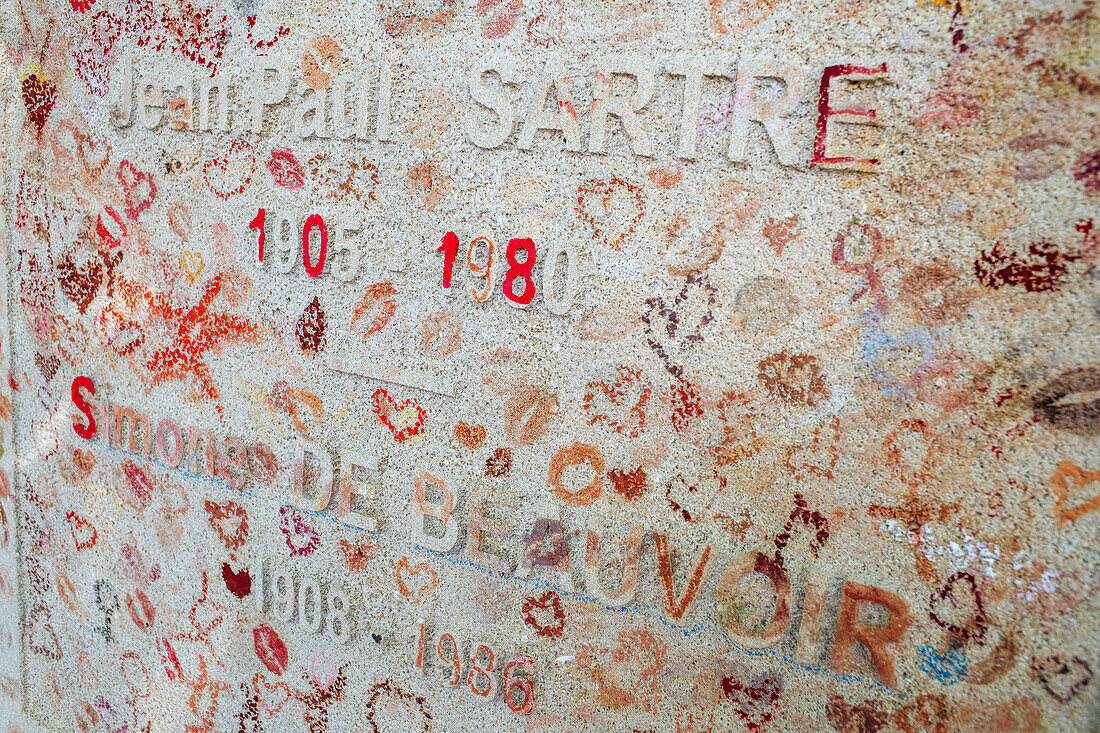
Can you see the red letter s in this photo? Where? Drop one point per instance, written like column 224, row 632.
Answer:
column 81, row 404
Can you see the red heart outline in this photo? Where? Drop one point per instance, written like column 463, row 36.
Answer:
column 548, row 601
column 79, row 523
column 223, row 165
column 296, row 529
column 405, row 433
column 129, row 183
column 606, row 189
column 229, row 510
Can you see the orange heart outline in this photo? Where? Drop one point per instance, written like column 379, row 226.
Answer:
column 423, row 591
column 188, row 262
column 1065, row 476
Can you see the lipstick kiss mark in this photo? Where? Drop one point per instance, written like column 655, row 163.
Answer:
column 1071, row 401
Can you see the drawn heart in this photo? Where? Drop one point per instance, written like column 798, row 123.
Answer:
column 797, row 379
column 230, row 175
column 300, row 537
column 958, row 608
column 84, row 534
column 678, row 491
column 239, row 583
column 41, row 637
column 192, row 265
column 820, row 456
column 80, row 284
column 1061, row 678
column 123, row 335
column 1069, row 477
column 535, row 610
column 47, row 364
column 271, row 695
column 77, row 151
column 673, row 329
column 425, row 583
column 389, row 408
column 230, row 521
column 205, row 614
column 39, row 96
column 138, row 187
column 629, row 393
column 471, row 436
column 612, row 208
